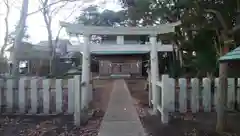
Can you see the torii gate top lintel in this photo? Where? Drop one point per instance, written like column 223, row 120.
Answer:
column 119, row 30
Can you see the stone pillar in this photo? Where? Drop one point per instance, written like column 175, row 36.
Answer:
column 154, row 71
column 85, row 71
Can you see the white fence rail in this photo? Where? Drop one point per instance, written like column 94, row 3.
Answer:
column 41, row 97
column 194, row 95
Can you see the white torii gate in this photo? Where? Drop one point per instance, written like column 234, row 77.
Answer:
column 152, row 31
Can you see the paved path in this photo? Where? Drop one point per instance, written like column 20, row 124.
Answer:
column 121, row 118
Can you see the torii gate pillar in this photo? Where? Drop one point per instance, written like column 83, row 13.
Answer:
column 154, row 71
column 85, row 72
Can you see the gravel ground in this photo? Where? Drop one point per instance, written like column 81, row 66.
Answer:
column 59, row 125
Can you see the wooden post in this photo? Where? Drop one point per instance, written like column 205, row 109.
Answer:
column 206, row 93
column 182, row 95
column 195, row 95
column 168, row 97
column 70, row 96
column 77, row 100
column 85, row 71
column 46, row 96
column 154, row 70
column 59, row 95
column 231, row 93
column 9, row 95
column 120, row 39
column 149, row 88
column 33, row 95
column 216, row 91
column 21, row 95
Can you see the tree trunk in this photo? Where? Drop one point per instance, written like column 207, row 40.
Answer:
column 222, row 93
column 221, row 98
column 48, row 21
column 52, row 51
column 180, row 55
column 19, row 37
column 6, row 27
column 58, row 34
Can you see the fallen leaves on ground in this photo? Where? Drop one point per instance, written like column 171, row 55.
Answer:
column 48, row 126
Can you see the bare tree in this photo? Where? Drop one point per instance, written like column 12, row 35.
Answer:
column 22, row 23
column 75, row 8
column 19, row 36
column 6, row 2
column 48, row 13
column 20, row 29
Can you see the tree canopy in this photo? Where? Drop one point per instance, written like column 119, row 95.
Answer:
column 199, row 38
column 92, row 16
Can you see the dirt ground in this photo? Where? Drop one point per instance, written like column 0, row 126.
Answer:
column 201, row 124
column 59, row 125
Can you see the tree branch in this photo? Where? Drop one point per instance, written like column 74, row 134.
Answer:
column 51, row 4
column 57, row 9
column 6, row 2
column 220, row 19
column 59, row 31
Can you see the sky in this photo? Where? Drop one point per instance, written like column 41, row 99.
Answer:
column 35, row 22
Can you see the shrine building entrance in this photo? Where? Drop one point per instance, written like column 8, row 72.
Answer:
column 120, row 65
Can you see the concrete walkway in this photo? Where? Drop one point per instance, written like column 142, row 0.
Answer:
column 121, row 118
